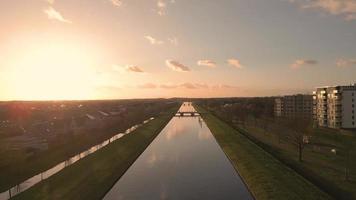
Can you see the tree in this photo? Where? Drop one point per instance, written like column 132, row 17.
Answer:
column 265, row 123
column 347, row 147
column 300, row 130
column 241, row 114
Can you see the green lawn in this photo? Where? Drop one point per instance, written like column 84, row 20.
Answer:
column 266, row 177
column 93, row 176
column 323, row 167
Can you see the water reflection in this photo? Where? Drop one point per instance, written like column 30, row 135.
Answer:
column 44, row 175
column 183, row 162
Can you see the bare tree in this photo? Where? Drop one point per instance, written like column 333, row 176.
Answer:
column 265, row 123
column 347, row 147
column 241, row 114
column 300, row 130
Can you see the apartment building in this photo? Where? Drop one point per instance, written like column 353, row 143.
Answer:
column 334, row 106
column 292, row 106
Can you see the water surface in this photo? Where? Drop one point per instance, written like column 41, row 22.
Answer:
column 183, row 162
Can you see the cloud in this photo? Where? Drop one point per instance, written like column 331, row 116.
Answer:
column 161, row 6
column 223, row 86
column 300, row 62
column 202, row 85
column 173, row 41
column 207, row 63
column 147, row 86
column 134, row 68
column 345, row 62
column 344, row 8
column 116, row 3
column 168, row 86
column 50, row 1
column 153, row 40
column 176, row 66
column 52, row 14
column 235, row 63
column 127, row 68
column 188, row 86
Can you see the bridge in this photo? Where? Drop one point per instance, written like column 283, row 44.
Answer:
column 187, row 113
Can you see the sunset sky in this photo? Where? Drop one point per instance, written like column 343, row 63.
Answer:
column 108, row 49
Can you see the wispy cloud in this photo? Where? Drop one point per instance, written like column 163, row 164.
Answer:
column 187, row 85
column 147, row 86
column 235, row 63
column 161, row 6
column 173, row 41
column 153, row 40
column 168, row 86
column 50, row 1
column 301, row 62
column 176, row 66
column 116, row 3
column 344, row 8
column 206, row 62
column 134, row 68
column 224, row 86
column 127, row 68
column 345, row 62
column 52, row 14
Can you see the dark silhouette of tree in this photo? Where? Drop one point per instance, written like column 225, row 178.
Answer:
column 299, row 134
column 346, row 150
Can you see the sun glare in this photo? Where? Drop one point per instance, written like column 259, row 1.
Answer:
column 55, row 71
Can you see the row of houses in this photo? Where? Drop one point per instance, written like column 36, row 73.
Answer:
column 330, row 106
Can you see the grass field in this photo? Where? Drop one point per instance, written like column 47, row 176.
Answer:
column 265, row 176
column 19, row 163
column 323, row 167
column 93, row 176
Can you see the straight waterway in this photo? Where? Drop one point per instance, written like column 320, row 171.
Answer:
column 183, row 162
column 57, row 168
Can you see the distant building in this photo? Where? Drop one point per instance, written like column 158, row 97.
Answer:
column 334, row 107
column 292, row 106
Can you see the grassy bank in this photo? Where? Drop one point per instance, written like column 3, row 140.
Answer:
column 320, row 166
column 266, row 177
column 18, row 162
column 93, row 176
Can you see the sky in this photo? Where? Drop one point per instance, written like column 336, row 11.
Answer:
column 111, row 49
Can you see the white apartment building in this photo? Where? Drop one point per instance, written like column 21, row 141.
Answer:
column 334, row 107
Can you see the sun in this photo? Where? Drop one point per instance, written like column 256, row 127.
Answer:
column 53, row 71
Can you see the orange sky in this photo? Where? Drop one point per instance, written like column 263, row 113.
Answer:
column 108, row 49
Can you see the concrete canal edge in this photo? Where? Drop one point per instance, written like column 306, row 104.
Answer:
column 93, row 176
column 264, row 176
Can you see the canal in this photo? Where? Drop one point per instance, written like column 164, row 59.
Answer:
column 183, row 162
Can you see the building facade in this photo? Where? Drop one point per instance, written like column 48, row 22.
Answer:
column 334, row 106
column 294, row 106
